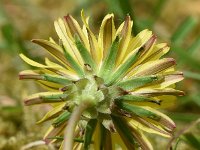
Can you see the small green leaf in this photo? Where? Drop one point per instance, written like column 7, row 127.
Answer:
column 89, row 132
column 138, row 111
column 109, row 61
column 184, row 29
column 84, row 53
column 45, row 98
column 61, row 119
column 124, row 67
column 137, row 82
column 136, row 98
column 56, row 79
column 54, row 97
column 147, row 112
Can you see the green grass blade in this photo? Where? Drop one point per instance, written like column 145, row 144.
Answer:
column 196, row 99
column 109, row 61
column 185, row 57
column 192, row 140
column 158, row 8
column 195, row 46
column 183, row 117
column 192, row 75
column 122, row 8
column 182, row 31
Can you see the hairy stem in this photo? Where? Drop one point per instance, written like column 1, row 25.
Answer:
column 69, row 131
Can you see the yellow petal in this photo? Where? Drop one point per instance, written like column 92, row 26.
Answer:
column 67, row 41
column 96, row 137
column 55, row 111
column 153, row 67
column 49, row 85
column 50, row 67
column 157, row 52
column 31, row 62
column 168, row 80
column 145, row 140
column 140, row 126
column 54, row 50
column 52, row 64
column 95, row 50
column 52, row 132
column 117, row 141
column 126, row 36
column 52, row 40
column 106, row 33
column 157, row 92
column 165, row 118
column 148, row 46
column 68, row 73
column 119, row 29
column 139, row 40
column 167, row 101
column 84, row 29
column 77, row 146
column 75, row 28
column 42, row 93
column 135, row 45
column 32, row 72
column 61, row 146
column 168, row 70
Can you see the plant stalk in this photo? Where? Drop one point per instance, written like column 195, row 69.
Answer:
column 69, row 130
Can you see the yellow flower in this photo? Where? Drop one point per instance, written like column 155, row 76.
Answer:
column 106, row 90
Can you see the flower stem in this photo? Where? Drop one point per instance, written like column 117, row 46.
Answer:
column 69, row 130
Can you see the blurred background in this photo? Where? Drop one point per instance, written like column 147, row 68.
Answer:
column 176, row 22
